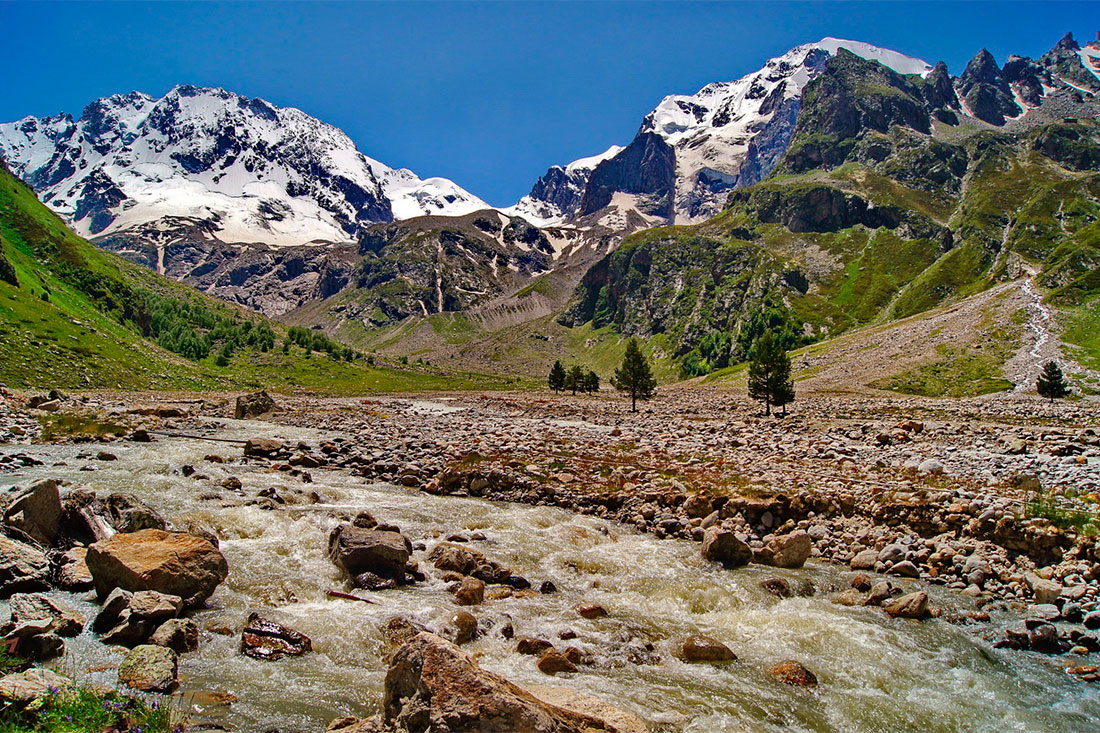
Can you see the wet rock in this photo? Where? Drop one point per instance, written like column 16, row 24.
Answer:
column 862, row 582
column 610, row 718
column 432, row 685
column 23, row 568
column 356, row 550
column 262, row 447
column 547, row 586
column 700, row 648
column 450, row 557
column 880, row 592
column 36, row 510
column 552, row 662
column 127, row 513
column 590, row 610
column 911, row 605
column 266, row 639
column 786, row 551
column 253, row 405
column 181, row 635
column 169, row 562
column 25, row 687
column 777, row 587
column 463, row 627
column 531, row 645
column 1043, row 638
column 724, row 547
column 150, row 668
column 1092, row 620
column 1046, row 591
column 470, row 592
column 154, row 606
column 790, row 672
column 111, row 611
column 64, row 621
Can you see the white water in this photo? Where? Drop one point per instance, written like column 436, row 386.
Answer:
column 876, row 674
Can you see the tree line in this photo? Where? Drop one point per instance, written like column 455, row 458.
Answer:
column 770, row 379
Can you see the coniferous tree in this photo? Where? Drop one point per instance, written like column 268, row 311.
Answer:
column 556, row 380
column 1051, row 382
column 591, row 382
column 575, row 379
column 634, row 376
column 770, row 373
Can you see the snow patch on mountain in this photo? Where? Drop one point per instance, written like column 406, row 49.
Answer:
column 254, row 171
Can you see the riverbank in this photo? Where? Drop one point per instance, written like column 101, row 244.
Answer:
column 689, row 462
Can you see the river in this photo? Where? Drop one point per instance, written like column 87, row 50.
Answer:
column 876, row 673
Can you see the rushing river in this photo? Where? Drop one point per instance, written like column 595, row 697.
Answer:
column 876, row 674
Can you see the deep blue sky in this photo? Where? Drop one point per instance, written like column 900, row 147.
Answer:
column 488, row 95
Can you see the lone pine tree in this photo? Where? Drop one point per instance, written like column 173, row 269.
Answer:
column 770, row 374
column 556, row 380
column 1051, row 382
column 634, row 376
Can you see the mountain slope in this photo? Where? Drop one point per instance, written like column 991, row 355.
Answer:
column 880, row 211
column 73, row 316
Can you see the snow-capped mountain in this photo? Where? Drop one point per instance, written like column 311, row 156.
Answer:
column 726, row 135
column 242, row 169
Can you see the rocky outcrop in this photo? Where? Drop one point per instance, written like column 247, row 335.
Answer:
column 646, row 167
column 985, row 90
column 169, row 562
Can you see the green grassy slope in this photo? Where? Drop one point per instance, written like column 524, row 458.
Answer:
column 73, row 316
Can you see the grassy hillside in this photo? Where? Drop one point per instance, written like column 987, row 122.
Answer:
column 73, row 316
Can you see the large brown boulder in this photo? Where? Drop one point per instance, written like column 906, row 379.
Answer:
column 168, row 562
column 356, row 550
column 433, row 685
column 448, row 556
column 723, row 546
column 36, row 510
column 786, row 551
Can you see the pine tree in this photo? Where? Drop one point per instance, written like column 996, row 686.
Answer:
column 634, row 376
column 575, row 379
column 1052, row 383
column 591, row 382
column 556, row 380
column 770, row 373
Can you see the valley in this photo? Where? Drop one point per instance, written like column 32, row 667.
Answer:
column 278, row 452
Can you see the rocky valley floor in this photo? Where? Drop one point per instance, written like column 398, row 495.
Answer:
column 676, row 563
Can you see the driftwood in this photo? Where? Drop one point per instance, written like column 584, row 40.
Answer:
column 348, row 596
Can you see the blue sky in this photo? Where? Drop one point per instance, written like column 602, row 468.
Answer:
column 487, row 94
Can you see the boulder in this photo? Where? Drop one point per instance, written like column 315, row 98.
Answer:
column 168, row 562
column 40, row 647
column 470, row 592
column 590, row 610
column 777, row 587
column 912, row 605
column 552, row 661
column 150, row 668
column 449, row 557
column 72, row 571
column 356, row 550
column 699, row 505
column 864, row 560
column 463, row 627
column 700, row 648
column 253, row 405
column 786, row 551
column 127, row 513
column 723, row 546
column 181, row 635
column 613, row 718
column 266, row 639
column 930, row 467
column 23, row 568
column 154, row 606
column 433, row 685
column 64, row 621
column 532, row 645
column 262, row 447
column 36, row 510
column 23, row 688
column 790, row 672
